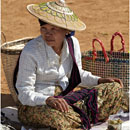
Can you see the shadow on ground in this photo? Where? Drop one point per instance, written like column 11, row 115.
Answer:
column 7, row 100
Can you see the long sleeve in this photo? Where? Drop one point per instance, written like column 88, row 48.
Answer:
column 87, row 79
column 26, row 81
column 40, row 71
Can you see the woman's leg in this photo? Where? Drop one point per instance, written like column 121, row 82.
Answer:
column 44, row 116
column 109, row 99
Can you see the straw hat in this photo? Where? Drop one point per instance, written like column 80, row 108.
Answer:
column 58, row 14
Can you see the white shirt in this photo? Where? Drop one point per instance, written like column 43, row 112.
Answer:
column 41, row 69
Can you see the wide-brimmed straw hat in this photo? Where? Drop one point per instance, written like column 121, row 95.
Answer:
column 58, row 14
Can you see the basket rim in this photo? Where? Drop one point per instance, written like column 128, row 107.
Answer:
column 3, row 48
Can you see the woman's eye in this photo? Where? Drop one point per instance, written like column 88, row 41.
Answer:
column 53, row 29
column 43, row 29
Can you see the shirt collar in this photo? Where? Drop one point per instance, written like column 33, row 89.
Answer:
column 52, row 56
column 65, row 51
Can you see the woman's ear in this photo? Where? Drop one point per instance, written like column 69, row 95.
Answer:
column 68, row 32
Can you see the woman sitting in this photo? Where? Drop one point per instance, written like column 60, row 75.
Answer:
column 50, row 68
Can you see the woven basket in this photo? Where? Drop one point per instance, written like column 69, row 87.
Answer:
column 111, row 64
column 10, row 52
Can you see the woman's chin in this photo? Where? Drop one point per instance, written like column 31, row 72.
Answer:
column 50, row 43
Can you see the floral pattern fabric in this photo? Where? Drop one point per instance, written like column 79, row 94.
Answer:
column 109, row 102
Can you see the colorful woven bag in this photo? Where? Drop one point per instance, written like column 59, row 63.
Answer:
column 108, row 64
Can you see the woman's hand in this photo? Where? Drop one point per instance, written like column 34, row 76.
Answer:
column 58, row 103
column 109, row 80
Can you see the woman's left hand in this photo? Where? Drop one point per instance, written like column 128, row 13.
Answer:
column 110, row 80
column 58, row 103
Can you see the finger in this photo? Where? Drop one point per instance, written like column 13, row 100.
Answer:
column 119, row 81
column 53, row 105
column 49, row 101
column 59, row 105
column 52, row 102
column 64, row 105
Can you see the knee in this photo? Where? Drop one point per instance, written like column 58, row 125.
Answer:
column 113, row 88
column 117, row 89
column 117, row 86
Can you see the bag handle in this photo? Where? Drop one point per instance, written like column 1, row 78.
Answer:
column 4, row 37
column 103, row 49
column 122, row 41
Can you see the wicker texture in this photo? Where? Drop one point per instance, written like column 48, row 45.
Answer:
column 117, row 66
column 57, row 14
column 10, row 52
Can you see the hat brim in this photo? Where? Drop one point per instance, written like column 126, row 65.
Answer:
column 69, row 22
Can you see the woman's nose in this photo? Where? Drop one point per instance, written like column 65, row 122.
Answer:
column 48, row 32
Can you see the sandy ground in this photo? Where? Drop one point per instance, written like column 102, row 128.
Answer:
column 102, row 17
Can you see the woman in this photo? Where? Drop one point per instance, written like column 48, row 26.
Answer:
column 45, row 71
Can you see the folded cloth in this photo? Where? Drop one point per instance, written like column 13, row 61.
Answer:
column 91, row 105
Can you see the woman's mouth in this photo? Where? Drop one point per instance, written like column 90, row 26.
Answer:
column 49, row 40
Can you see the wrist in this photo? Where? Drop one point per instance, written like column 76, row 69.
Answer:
column 99, row 80
column 49, row 99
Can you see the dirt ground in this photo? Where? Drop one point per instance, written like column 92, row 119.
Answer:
column 102, row 18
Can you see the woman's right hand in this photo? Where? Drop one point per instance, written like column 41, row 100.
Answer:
column 58, row 103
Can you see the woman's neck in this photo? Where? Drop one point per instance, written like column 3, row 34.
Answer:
column 58, row 49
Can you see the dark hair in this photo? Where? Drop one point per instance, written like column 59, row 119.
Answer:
column 72, row 33
column 41, row 22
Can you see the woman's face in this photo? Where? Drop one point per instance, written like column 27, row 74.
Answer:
column 53, row 35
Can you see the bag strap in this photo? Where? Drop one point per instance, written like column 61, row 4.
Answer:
column 75, row 78
column 3, row 37
column 122, row 41
column 103, row 49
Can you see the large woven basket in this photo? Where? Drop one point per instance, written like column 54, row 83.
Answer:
column 108, row 64
column 10, row 52
column 116, row 67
